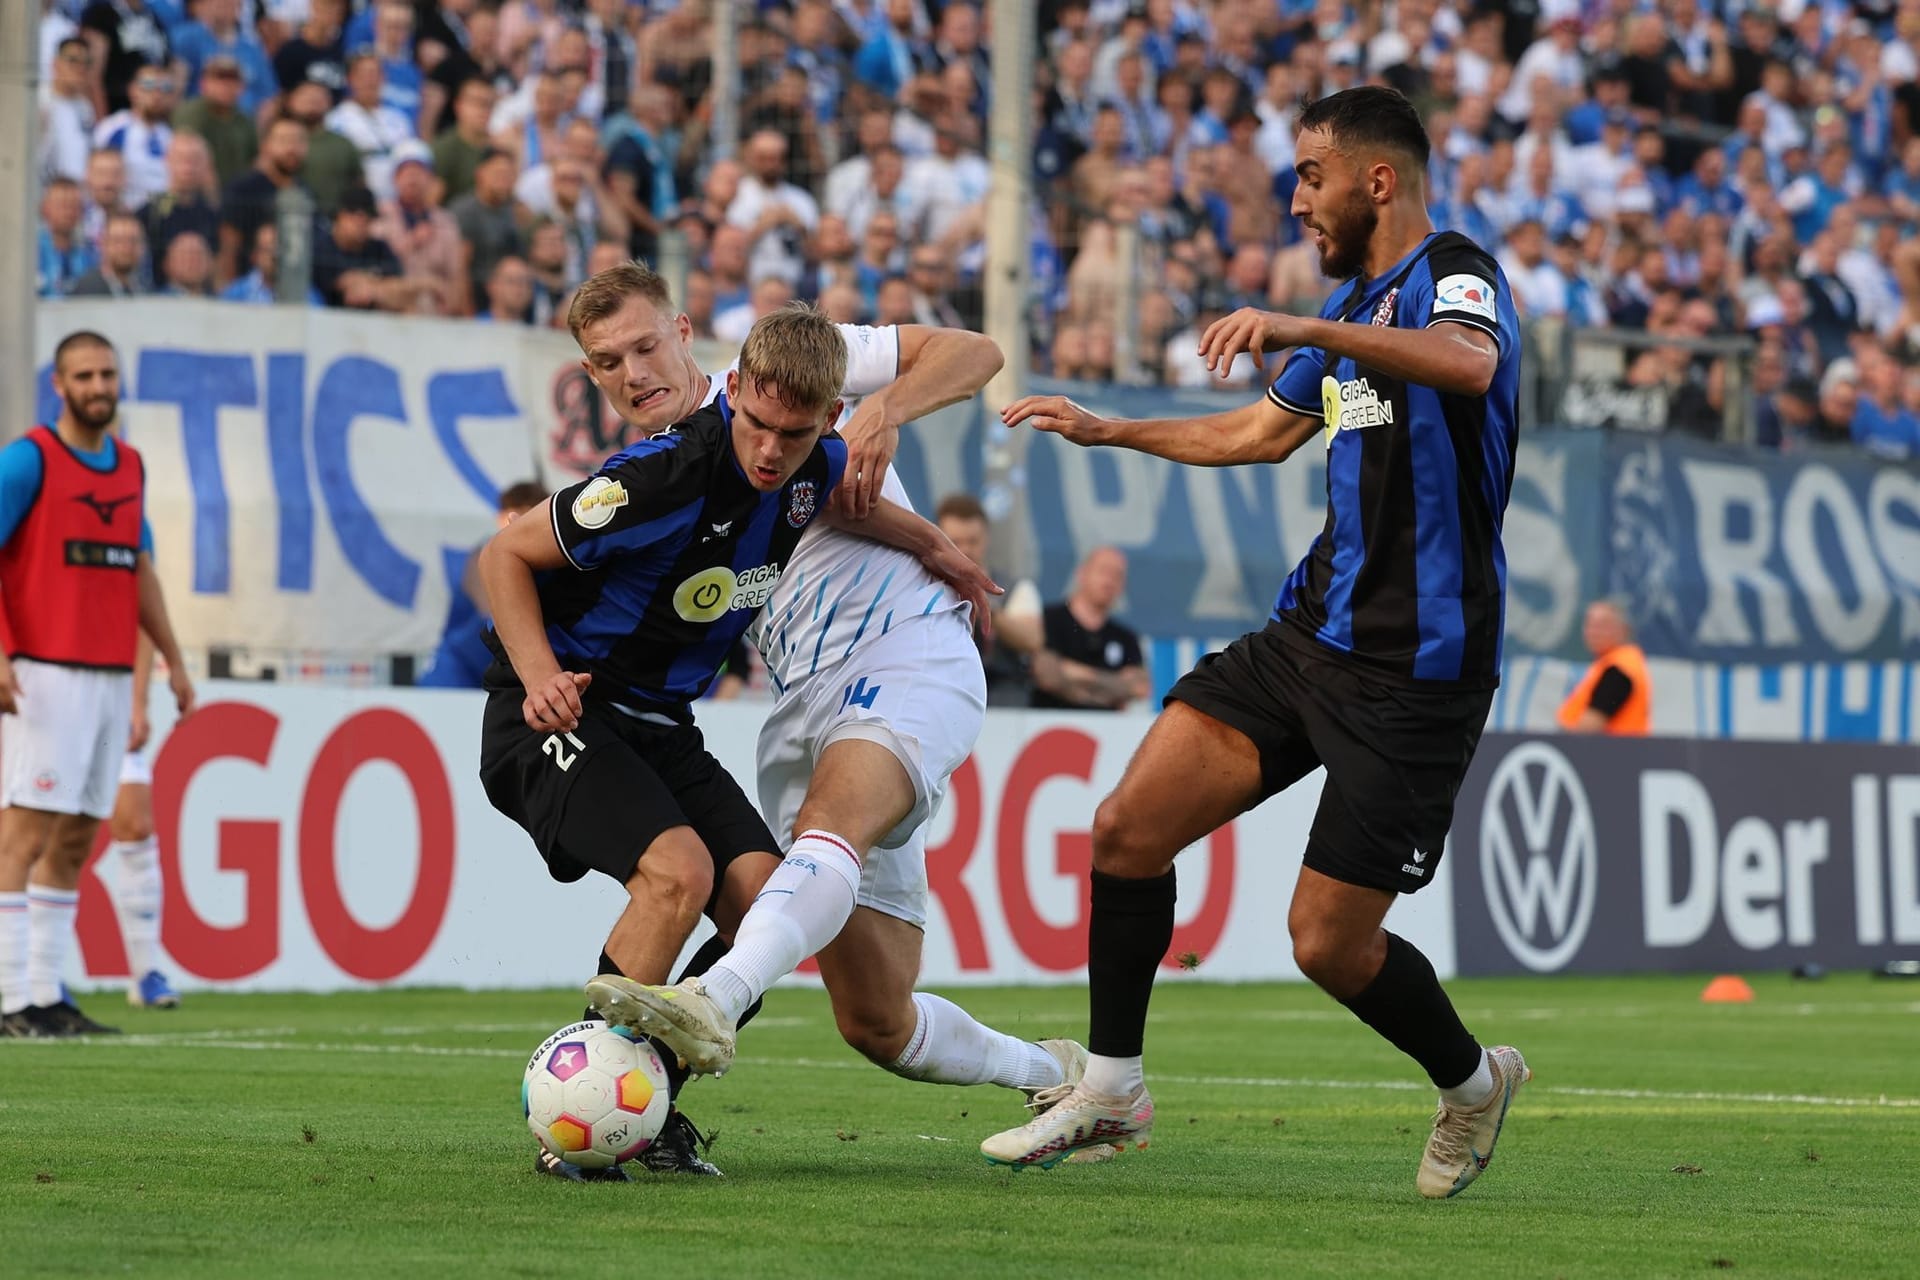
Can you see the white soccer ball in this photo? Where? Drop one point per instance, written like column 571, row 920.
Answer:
column 595, row 1095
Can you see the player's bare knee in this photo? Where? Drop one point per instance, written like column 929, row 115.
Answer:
column 1124, row 844
column 877, row 1035
column 1329, row 960
column 674, row 873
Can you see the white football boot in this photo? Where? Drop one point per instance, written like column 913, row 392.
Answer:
column 1072, row 1120
column 681, row 1017
column 1462, row 1143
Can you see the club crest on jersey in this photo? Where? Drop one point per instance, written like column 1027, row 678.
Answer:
column 713, row 593
column 1465, row 293
column 1383, row 314
column 800, row 502
column 596, row 504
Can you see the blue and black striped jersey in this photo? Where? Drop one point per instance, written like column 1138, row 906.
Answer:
column 1409, row 577
column 671, row 553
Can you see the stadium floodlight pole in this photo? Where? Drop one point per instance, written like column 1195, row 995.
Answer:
column 724, row 138
column 1009, row 272
column 19, row 173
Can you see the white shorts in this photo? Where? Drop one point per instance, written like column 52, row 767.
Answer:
column 919, row 692
column 63, row 752
column 136, row 770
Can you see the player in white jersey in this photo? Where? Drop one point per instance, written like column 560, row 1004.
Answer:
column 880, row 697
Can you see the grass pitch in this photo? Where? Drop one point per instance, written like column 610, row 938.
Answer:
column 381, row 1133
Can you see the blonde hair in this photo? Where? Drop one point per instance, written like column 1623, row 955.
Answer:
column 796, row 354
column 604, row 293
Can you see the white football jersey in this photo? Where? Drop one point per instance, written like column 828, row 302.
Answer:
column 841, row 591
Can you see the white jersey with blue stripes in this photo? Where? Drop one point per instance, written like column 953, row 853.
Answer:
column 842, row 592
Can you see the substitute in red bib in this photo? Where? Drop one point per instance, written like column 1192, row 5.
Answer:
column 76, row 587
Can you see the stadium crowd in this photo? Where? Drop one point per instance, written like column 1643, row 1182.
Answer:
column 1683, row 169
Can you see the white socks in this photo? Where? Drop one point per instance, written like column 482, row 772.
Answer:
column 1472, row 1091
column 136, row 896
column 949, row 1047
column 806, row 902
column 1118, row 1077
column 13, row 953
column 50, row 915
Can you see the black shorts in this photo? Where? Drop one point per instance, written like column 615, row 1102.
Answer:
column 1395, row 755
column 594, row 799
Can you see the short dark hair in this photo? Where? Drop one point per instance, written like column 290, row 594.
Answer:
column 524, row 496
column 959, row 506
column 74, row 341
column 1367, row 117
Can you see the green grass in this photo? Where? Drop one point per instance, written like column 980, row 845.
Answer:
column 355, row 1134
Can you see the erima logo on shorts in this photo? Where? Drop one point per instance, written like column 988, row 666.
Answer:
column 713, row 593
column 596, row 503
column 1351, row 405
column 1470, row 294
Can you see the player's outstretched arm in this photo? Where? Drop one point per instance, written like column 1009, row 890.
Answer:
column 159, row 628
column 898, row 527
column 1259, row 432
column 507, row 564
column 1451, row 358
column 938, row 367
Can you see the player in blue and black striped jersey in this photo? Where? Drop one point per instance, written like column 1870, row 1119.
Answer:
column 1382, row 653
column 616, row 603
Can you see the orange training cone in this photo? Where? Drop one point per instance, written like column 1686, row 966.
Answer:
column 1728, row 988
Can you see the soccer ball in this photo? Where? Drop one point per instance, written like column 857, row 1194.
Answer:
column 595, row 1095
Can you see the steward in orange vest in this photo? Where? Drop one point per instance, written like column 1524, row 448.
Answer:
column 1616, row 695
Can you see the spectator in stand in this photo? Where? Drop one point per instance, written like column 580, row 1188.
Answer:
column 509, row 292
column 489, row 220
column 727, row 258
column 122, row 271
column 217, row 117
column 251, row 200
column 189, row 202
column 64, row 255
column 258, row 285
column 424, row 236
column 216, row 32
column 1881, row 424
column 317, row 52
column 140, row 133
column 105, row 188
column 353, row 267
column 126, row 36
column 457, row 151
column 639, row 169
column 1539, row 290
column 778, row 216
column 400, row 80
column 66, row 113
column 930, row 272
column 187, row 267
column 332, row 165
column 557, row 271
column 366, row 120
column 1087, row 660
column 769, row 295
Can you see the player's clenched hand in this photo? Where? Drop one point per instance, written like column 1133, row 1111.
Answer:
column 871, row 443
column 1254, row 332
column 554, row 703
column 9, row 688
column 971, row 582
column 1056, row 414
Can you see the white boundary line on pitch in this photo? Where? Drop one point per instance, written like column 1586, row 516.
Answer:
column 820, row 1064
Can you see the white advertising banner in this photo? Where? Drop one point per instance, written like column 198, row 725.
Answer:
column 322, row 839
